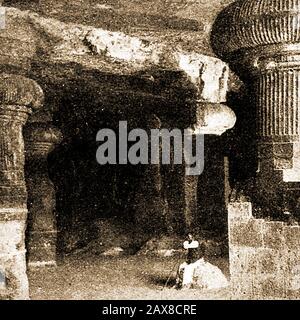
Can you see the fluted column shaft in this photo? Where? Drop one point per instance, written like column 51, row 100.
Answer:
column 261, row 41
column 278, row 120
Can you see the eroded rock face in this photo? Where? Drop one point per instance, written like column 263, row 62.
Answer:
column 158, row 15
column 49, row 40
column 75, row 40
column 14, row 284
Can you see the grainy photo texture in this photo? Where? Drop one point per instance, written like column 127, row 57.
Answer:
column 149, row 149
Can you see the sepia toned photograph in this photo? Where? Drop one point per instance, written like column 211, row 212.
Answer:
column 150, row 150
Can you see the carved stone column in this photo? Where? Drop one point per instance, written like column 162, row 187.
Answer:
column 199, row 94
column 40, row 139
column 261, row 41
column 212, row 120
column 18, row 96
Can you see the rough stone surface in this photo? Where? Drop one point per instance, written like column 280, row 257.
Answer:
column 264, row 256
column 187, row 21
column 60, row 44
column 259, row 42
column 208, row 277
column 56, row 42
column 12, row 257
column 19, row 95
column 40, row 140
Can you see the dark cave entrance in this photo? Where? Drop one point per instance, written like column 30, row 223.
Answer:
column 127, row 203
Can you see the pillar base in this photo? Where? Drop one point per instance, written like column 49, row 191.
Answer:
column 42, row 249
column 13, row 278
column 264, row 256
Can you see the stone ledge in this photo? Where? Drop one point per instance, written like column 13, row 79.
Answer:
column 116, row 52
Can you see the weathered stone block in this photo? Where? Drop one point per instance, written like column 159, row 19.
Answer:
column 283, row 150
column 267, row 253
column 248, row 234
column 239, row 211
column 269, row 286
column 242, row 287
column 293, row 174
column 14, row 282
column 267, row 261
column 248, row 260
column 12, row 236
column 283, row 155
column 291, row 260
column 283, row 163
column 273, row 235
column 292, row 236
column 238, row 257
column 293, row 280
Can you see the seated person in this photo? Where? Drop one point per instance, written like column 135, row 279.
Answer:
column 186, row 269
column 196, row 272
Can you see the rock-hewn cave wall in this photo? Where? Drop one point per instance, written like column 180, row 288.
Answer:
column 131, row 16
column 72, row 47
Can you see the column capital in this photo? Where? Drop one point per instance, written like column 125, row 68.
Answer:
column 16, row 90
column 19, row 96
column 254, row 30
column 212, row 118
column 40, row 139
column 261, row 41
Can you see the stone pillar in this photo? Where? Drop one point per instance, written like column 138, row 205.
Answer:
column 197, row 103
column 40, row 139
column 175, row 196
column 18, row 96
column 191, row 201
column 260, row 39
column 211, row 120
column 261, row 42
column 148, row 203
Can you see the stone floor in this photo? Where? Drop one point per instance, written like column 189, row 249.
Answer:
column 130, row 277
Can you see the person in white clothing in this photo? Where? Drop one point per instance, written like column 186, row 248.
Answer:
column 195, row 272
column 185, row 271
